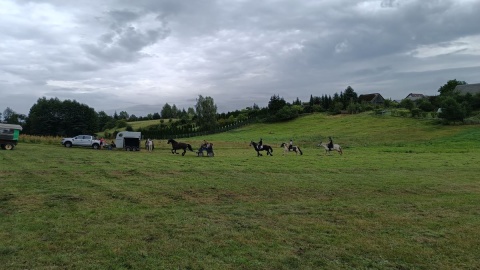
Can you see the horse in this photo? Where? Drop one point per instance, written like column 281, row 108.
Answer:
column 179, row 145
column 335, row 147
column 295, row 149
column 265, row 147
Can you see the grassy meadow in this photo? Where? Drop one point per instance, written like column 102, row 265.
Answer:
column 404, row 195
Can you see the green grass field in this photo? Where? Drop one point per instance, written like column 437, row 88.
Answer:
column 404, row 195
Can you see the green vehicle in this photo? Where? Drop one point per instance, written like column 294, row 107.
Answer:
column 9, row 136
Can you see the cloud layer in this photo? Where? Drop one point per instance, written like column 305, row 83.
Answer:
column 139, row 55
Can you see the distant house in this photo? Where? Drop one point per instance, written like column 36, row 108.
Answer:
column 375, row 99
column 415, row 97
column 468, row 89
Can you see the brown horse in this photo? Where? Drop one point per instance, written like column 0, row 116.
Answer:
column 179, row 145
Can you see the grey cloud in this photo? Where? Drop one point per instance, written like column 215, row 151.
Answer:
column 239, row 52
column 124, row 41
column 123, row 16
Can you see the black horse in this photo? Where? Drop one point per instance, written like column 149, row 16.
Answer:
column 264, row 147
column 178, row 145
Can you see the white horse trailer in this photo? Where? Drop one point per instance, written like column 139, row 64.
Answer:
column 128, row 140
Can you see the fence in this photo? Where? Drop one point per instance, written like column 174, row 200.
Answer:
column 169, row 133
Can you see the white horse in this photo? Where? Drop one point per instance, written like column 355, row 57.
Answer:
column 335, row 147
column 286, row 149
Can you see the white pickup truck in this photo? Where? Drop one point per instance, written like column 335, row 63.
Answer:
column 82, row 140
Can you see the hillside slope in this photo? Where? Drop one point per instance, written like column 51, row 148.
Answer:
column 351, row 130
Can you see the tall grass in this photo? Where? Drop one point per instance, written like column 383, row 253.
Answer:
column 49, row 140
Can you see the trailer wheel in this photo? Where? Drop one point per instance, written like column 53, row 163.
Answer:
column 128, row 148
column 9, row 146
column 2, row 146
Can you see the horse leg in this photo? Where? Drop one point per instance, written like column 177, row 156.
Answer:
column 184, row 151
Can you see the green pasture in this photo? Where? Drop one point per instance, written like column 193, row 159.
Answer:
column 404, row 195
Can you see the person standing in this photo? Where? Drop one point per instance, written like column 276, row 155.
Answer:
column 102, row 142
column 149, row 145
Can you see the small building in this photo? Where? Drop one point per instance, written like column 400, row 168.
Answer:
column 415, row 97
column 375, row 99
column 468, row 89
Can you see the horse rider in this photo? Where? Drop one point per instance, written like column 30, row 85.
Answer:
column 330, row 144
column 260, row 144
column 204, row 146
column 290, row 146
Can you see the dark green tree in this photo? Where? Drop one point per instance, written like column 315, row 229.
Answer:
column 56, row 118
column 175, row 111
column 448, row 88
column 287, row 113
column 425, row 105
column 166, row 111
column 297, row 102
column 206, row 112
column 276, row 103
column 11, row 117
column 123, row 115
column 132, row 118
column 452, row 111
column 407, row 104
column 349, row 96
column 103, row 119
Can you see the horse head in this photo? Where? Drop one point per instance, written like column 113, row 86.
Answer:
column 282, row 145
column 170, row 141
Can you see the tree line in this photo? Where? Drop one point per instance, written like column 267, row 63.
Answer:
column 53, row 117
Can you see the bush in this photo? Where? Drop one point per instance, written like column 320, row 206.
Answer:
column 452, row 110
column 416, row 112
column 121, row 123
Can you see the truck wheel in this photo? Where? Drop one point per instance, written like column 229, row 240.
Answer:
column 68, row 144
column 9, row 146
column 95, row 146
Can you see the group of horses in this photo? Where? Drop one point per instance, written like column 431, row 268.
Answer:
column 184, row 146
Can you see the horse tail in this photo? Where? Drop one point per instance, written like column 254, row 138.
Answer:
column 299, row 150
column 189, row 147
column 340, row 150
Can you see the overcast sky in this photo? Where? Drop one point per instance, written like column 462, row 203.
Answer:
column 138, row 55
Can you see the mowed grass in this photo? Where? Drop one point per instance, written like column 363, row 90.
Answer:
column 405, row 195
